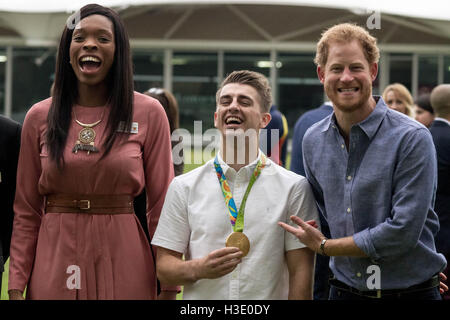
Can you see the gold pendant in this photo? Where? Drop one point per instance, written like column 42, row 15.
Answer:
column 85, row 141
column 87, row 135
column 238, row 240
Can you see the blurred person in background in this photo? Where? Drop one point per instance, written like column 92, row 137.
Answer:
column 303, row 123
column 9, row 154
column 423, row 110
column 86, row 152
column 398, row 97
column 440, row 130
column 276, row 150
column 170, row 105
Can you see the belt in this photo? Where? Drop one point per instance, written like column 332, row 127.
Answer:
column 431, row 283
column 90, row 204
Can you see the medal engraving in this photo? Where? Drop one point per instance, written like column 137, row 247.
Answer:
column 238, row 240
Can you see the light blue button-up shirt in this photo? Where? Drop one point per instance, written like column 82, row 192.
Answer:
column 380, row 191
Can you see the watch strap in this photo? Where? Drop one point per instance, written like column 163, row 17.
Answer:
column 322, row 247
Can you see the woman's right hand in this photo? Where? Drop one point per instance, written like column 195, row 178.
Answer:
column 15, row 295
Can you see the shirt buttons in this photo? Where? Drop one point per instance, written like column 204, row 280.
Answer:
column 342, row 146
column 358, row 274
column 349, row 210
column 349, row 177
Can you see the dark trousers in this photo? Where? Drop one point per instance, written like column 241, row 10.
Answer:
column 322, row 270
column 426, row 294
column 321, row 275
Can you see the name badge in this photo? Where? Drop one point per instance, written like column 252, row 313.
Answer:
column 134, row 127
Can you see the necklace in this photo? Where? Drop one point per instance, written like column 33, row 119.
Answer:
column 86, row 136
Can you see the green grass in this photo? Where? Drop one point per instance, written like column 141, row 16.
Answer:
column 196, row 154
column 4, row 288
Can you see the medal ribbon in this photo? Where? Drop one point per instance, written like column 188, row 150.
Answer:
column 237, row 217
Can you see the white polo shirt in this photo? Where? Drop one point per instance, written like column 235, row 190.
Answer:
column 195, row 221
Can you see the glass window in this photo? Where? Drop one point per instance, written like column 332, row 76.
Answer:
column 33, row 75
column 428, row 73
column 299, row 89
column 446, row 69
column 194, row 87
column 2, row 79
column 376, row 83
column 148, row 70
column 400, row 69
column 259, row 62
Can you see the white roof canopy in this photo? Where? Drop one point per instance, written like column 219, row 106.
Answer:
column 284, row 24
column 430, row 9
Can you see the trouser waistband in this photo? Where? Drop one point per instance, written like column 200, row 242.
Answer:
column 431, row 283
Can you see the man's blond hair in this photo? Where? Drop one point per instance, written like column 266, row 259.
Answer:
column 345, row 33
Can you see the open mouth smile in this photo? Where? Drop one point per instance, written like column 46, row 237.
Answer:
column 89, row 64
column 233, row 120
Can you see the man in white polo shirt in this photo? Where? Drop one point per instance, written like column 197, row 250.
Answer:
column 223, row 215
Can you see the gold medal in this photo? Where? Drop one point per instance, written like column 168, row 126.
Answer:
column 238, row 240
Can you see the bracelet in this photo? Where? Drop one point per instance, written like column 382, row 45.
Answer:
column 322, row 247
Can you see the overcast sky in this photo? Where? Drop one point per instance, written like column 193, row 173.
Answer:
column 433, row 9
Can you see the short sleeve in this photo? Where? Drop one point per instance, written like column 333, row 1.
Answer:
column 301, row 204
column 173, row 231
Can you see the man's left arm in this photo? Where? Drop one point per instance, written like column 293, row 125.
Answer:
column 309, row 235
column 300, row 264
column 413, row 193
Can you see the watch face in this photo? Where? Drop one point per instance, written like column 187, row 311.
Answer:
column 86, row 135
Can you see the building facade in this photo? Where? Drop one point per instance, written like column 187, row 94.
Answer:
column 190, row 48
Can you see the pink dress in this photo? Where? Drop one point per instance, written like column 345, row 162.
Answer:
column 83, row 256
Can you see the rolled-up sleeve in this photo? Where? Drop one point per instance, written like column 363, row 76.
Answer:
column 414, row 183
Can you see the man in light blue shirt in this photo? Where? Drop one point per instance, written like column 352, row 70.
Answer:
column 373, row 173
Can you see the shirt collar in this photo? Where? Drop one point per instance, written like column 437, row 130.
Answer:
column 249, row 168
column 443, row 120
column 370, row 124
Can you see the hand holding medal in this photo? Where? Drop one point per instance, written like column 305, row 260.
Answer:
column 238, row 240
column 217, row 263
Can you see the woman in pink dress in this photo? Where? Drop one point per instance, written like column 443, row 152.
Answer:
column 86, row 153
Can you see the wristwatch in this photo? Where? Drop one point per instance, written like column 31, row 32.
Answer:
column 322, row 247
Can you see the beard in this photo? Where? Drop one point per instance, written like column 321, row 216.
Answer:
column 349, row 105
